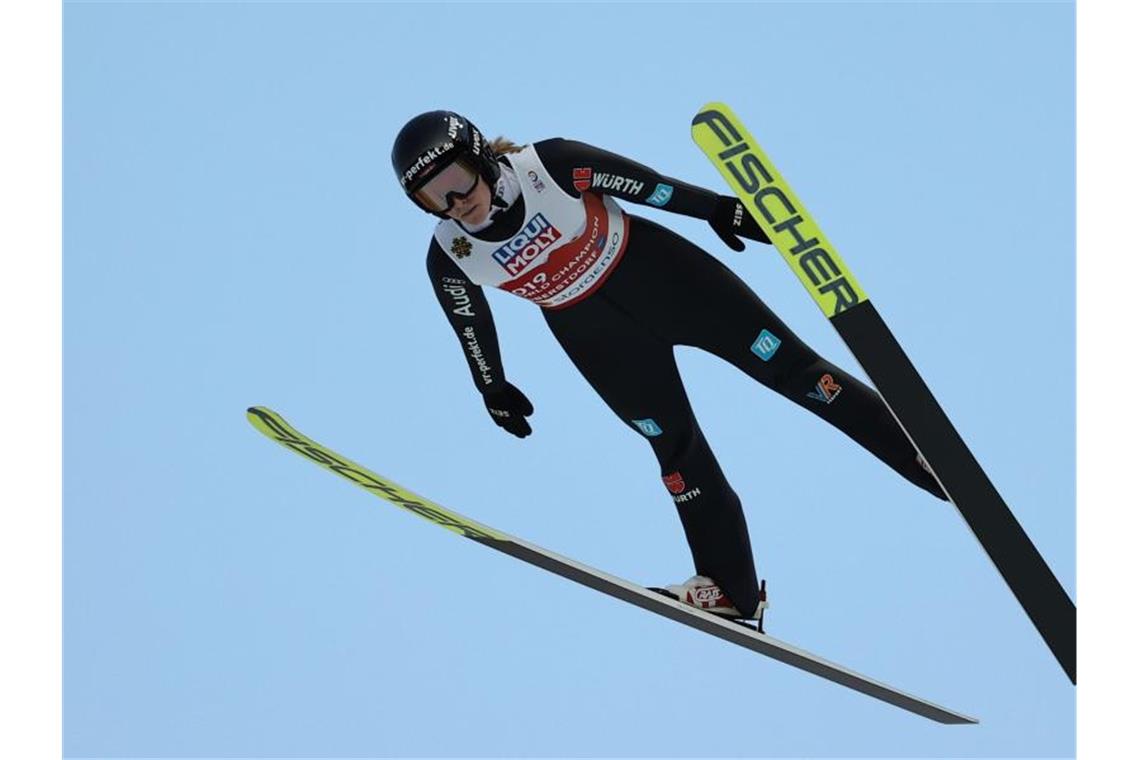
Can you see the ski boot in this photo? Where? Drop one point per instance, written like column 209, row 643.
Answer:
column 703, row 593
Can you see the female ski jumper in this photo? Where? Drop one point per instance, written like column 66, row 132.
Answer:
column 619, row 292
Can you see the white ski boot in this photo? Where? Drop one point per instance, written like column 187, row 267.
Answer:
column 703, row 592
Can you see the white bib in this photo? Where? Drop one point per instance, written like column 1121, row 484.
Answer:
column 565, row 249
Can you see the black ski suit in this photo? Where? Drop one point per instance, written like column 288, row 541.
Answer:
column 665, row 292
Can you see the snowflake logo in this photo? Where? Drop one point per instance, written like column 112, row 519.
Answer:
column 461, row 247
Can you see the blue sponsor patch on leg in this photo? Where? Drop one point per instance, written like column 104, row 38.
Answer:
column 661, row 195
column 648, row 427
column 766, row 345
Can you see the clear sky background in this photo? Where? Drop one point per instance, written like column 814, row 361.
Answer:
column 234, row 235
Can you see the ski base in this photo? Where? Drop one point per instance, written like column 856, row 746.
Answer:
column 276, row 428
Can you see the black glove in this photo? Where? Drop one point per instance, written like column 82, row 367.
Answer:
column 509, row 408
column 730, row 218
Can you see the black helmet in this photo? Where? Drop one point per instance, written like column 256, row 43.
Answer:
column 432, row 141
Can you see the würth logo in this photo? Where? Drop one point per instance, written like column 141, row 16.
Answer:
column 674, row 482
column 617, row 184
column 583, row 178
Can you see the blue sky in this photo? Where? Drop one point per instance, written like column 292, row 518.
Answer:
column 234, row 236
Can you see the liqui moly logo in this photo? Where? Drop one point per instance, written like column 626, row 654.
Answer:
column 537, row 236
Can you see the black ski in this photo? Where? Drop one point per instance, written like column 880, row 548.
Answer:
column 769, row 198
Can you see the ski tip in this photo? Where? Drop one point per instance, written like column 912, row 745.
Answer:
column 256, row 414
column 713, row 106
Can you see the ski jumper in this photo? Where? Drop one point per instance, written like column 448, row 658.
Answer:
column 619, row 292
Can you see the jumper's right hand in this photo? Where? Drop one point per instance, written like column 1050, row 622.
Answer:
column 731, row 221
column 509, row 408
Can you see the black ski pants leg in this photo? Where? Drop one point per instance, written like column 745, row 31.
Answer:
column 667, row 292
column 635, row 373
column 692, row 299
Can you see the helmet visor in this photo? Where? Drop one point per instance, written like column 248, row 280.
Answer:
column 457, row 179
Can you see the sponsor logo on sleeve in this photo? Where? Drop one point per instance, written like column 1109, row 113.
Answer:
column 461, row 301
column 582, row 176
column 738, row 214
column 616, row 183
column 461, row 247
column 825, row 390
column 766, row 345
column 535, row 238
column 475, row 351
column 661, row 194
column 648, row 427
column 536, row 181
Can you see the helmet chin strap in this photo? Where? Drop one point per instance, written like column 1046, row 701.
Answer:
column 506, row 185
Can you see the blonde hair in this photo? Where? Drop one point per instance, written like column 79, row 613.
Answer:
column 501, row 146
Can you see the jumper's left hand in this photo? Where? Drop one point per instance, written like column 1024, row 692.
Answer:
column 730, row 219
column 509, row 408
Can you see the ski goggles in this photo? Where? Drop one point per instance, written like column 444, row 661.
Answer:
column 457, row 180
